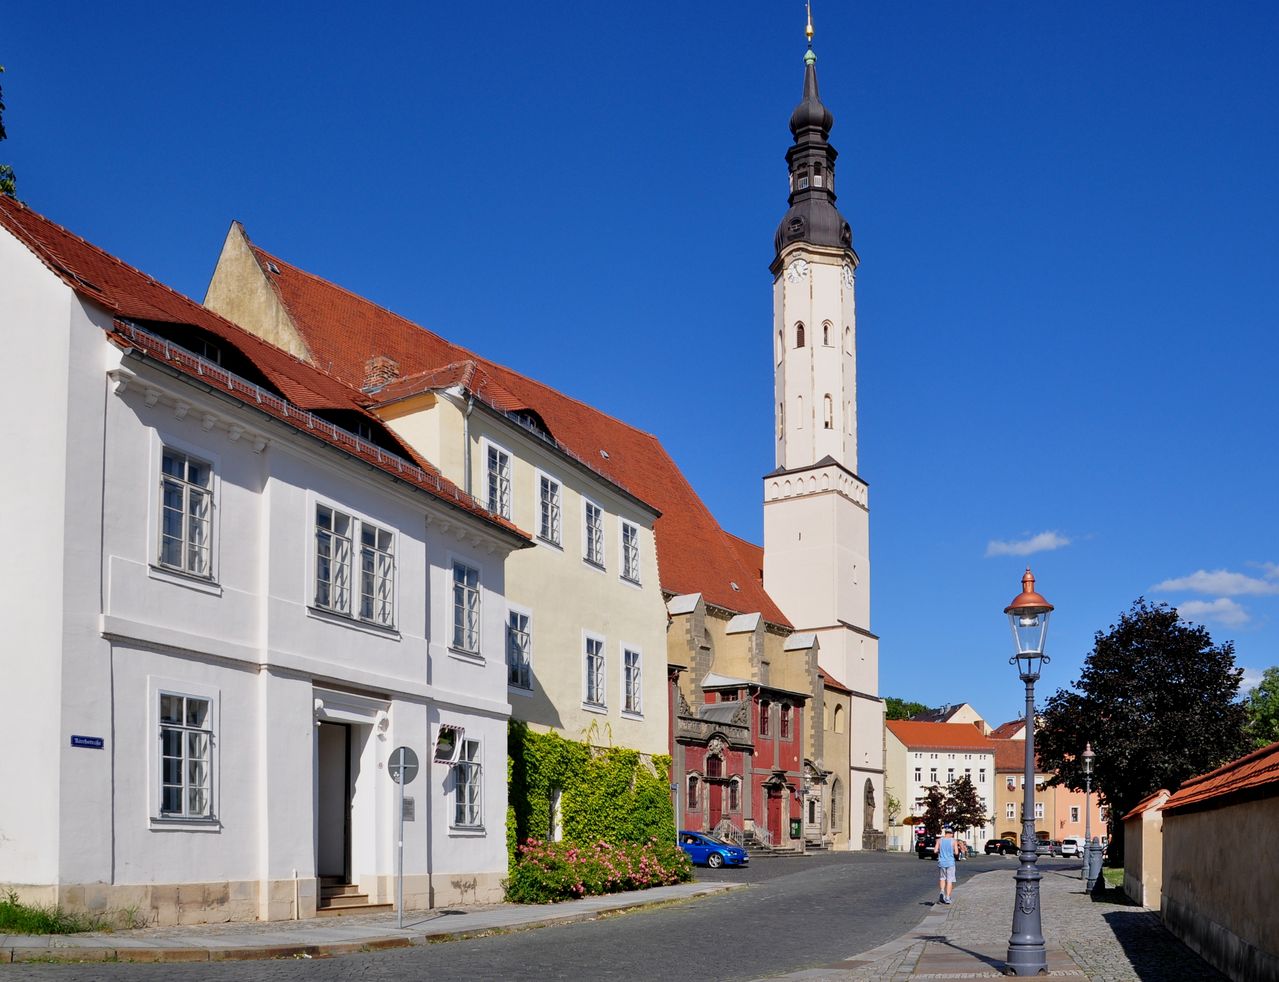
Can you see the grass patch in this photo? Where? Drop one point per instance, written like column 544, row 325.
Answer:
column 19, row 918
column 1114, row 877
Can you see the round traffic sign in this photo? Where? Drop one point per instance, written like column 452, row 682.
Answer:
column 403, row 766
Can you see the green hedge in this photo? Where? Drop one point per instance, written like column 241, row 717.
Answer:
column 607, row 794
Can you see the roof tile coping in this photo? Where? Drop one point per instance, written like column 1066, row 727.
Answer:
column 914, row 734
column 1152, row 802
column 1256, row 772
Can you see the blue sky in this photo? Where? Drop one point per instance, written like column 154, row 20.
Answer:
column 1068, row 220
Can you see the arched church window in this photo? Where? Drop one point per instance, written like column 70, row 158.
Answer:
column 714, row 766
column 693, row 785
column 799, row 412
column 836, row 803
column 826, row 334
column 799, row 335
column 734, row 795
column 848, row 339
column 781, row 420
column 828, row 411
column 781, row 347
column 839, row 719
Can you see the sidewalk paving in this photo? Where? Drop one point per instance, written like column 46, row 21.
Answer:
column 1084, row 938
column 327, row 936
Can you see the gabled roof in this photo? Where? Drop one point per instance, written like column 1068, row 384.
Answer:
column 1010, row 755
column 695, row 555
column 1255, row 774
column 1152, row 801
column 938, row 736
column 1006, row 731
column 294, row 389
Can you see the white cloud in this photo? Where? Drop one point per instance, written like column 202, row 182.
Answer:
column 1251, row 679
column 1223, row 610
column 1221, row 582
column 1043, row 542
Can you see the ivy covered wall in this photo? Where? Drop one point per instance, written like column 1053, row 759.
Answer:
column 607, row 793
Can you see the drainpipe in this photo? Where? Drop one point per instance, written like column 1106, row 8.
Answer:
column 466, row 441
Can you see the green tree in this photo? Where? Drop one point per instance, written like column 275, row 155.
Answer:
column 895, row 708
column 1158, row 701
column 1263, row 709
column 964, row 808
column 8, row 183
column 934, row 810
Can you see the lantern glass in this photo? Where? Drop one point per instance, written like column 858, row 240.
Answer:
column 1030, row 630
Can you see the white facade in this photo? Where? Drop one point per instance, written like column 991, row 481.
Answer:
column 233, row 807
column 913, row 769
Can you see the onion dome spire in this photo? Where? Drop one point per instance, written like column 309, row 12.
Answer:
column 812, row 216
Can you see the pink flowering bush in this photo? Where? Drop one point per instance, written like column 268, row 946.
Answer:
column 547, row 872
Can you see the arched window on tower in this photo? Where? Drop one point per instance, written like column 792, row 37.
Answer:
column 826, row 334
column 848, row 340
column 828, row 412
column 799, row 412
column 799, row 335
column 817, row 175
column 839, row 719
column 781, row 420
column 781, row 347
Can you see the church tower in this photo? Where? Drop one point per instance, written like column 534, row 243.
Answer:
column 816, row 507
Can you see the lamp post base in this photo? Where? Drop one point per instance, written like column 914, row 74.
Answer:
column 1026, row 952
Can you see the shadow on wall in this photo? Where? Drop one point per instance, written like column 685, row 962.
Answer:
column 1155, row 954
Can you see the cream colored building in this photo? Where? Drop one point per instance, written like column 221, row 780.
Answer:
column 816, row 506
column 586, row 634
column 921, row 755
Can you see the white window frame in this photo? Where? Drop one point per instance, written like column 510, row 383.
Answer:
column 161, row 441
column 157, row 818
column 1010, row 812
column 188, row 490
column 471, row 642
column 981, row 775
column 1039, row 811
column 554, row 535
column 514, row 611
column 493, row 495
column 592, row 539
column 1074, row 814
column 594, row 646
column 632, row 567
column 467, row 774
column 632, row 701
column 381, row 579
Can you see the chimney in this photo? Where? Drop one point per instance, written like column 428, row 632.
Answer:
column 379, row 370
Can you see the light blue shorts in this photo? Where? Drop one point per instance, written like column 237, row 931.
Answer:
column 946, row 873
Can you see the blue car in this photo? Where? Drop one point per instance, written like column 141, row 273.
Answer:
column 706, row 850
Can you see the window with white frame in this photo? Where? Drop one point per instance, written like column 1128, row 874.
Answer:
column 919, row 774
column 593, row 538
column 186, row 514
column 335, row 536
column 981, row 775
column 631, row 699
column 1074, row 813
column 549, row 498
column 595, row 671
column 186, row 756
column 1010, row 811
column 950, row 774
column 466, row 607
column 1012, row 784
column 519, row 649
column 468, row 788
column 499, row 481
column 630, row 552
column 932, row 775
column 1039, row 809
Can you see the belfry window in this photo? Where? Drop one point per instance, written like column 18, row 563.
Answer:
column 799, row 335
column 803, row 180
column 817, row 175
column 826, row 334
column 829, row 413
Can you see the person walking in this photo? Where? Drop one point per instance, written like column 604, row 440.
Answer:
column 946, row 865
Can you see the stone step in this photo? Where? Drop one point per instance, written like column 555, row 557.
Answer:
column 363, row 908
column 339, row 890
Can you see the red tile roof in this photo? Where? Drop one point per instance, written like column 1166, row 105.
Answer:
column 695, row 555
column 938, row 736
column 1254, row 774
column 1146, row 804
column 833, row 683
column 1005, row 731
column 1010, row 755
column 131, row 295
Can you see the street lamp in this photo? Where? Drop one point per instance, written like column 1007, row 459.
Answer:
column 1086, row 873
column 1028, row 616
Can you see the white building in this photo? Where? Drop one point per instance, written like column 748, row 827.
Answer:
column 816, row 507
column 922, row 755
column 225, row 610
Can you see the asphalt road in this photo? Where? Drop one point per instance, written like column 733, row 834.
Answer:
column 798, row 913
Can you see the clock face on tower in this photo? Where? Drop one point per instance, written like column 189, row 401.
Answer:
column 848, row 275
column 796, row 271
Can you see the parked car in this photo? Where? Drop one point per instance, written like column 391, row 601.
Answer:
column 926, row 846
column 1002, row 847
column 1047, row 847
column 1072, row 845
column 707, row 850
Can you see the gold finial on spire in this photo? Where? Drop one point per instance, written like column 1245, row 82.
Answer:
column 808, row 6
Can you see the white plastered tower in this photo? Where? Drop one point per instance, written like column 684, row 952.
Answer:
column 816, row 508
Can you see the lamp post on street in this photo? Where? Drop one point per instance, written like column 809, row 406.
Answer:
column 1028, row 616
column 1089, row 875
